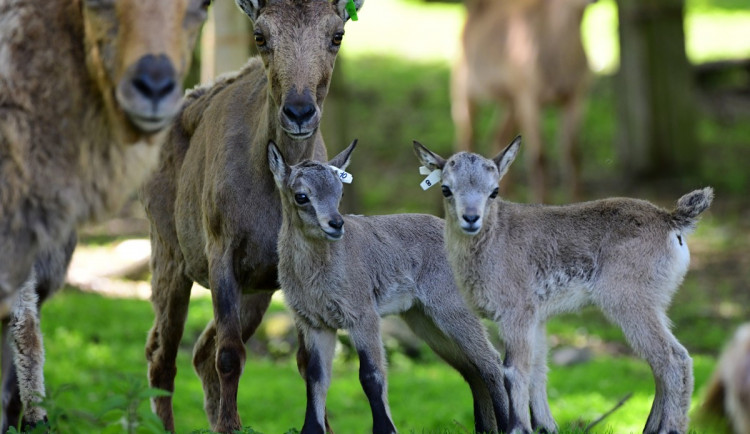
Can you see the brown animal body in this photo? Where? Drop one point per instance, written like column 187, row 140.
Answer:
column 523, row 55
column 728, row 393
column 214, row 211
column 86, row 87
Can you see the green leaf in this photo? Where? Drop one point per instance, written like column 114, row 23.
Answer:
column 153, row 392
column 351, row 9
column 112, row 416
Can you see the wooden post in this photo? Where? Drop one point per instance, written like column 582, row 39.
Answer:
column 654, row 88
column 225, row 41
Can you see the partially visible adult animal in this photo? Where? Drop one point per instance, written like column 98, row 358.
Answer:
column 728, row 394
column 520, row 264
column 524, row 55
column 214, row 211
column 86, row 89
column 383, row 265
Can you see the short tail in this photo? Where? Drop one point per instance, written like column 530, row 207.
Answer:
column 689, row 206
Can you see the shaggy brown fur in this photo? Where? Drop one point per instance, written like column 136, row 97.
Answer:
column 85, row 87
column 213, row 208
column 523, row 55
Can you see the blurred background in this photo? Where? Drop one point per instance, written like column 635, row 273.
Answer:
column 666, row 110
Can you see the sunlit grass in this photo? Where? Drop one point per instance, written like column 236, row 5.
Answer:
column 95, row 345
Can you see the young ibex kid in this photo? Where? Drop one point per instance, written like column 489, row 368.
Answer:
column 384, row 265
column 521, row 264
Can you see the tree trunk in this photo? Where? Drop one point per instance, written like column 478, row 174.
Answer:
column 654, row 87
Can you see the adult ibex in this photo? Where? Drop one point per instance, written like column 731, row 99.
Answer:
column 524, row 55
column 86, row 88
column 521, row 264
column 214, row 211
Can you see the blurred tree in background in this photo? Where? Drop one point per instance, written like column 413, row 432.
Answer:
column 656, row 128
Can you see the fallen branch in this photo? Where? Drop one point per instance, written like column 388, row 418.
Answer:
column 460, row 425
column 605, row 415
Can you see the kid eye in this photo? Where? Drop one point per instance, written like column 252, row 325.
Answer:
column 494, row 193
column 301, row 198
column 447, row 191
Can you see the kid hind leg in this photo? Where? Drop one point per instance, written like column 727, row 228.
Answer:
column 485, row 420
column 541, row 415
column 645, row 328
column 365, row 335
column 320, row 345
column 455, row 320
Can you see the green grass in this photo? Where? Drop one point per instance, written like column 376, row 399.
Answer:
column 95, row 346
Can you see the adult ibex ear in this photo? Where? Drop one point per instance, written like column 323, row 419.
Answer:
column 507, row 155
column 428, row 158
column 340, row 6
column 251, row 7
column 278, row 166
column 344, row 158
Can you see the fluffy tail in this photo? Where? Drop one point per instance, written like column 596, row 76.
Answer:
column 689, row 206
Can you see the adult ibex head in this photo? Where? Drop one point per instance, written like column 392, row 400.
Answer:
column 298, row 55
column 141, row 49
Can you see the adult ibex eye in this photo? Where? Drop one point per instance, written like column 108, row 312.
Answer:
column 494, row 193
column 301, row 198
column 205, row 4
column 337, row 38
column 260, row 40
column 447, row 191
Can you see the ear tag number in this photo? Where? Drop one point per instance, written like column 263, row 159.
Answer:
column 434, row 177
column 345, row 177
column 351, row 10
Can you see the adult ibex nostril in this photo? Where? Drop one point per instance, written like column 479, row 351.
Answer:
column 299, row 112
column 154, row 77
column 470, row 218
column 336, row 223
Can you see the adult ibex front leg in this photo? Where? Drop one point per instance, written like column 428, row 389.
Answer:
column 253, row 308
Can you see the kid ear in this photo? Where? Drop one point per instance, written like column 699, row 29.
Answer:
column 342, row 160
column 428, row 158
column 507, row 155
column 276, row 162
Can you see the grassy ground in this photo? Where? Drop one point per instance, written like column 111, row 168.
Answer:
column 396, row 69
column 95, row 348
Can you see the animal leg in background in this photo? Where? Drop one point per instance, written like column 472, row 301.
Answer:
column 170, row 304
column 49, row 276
